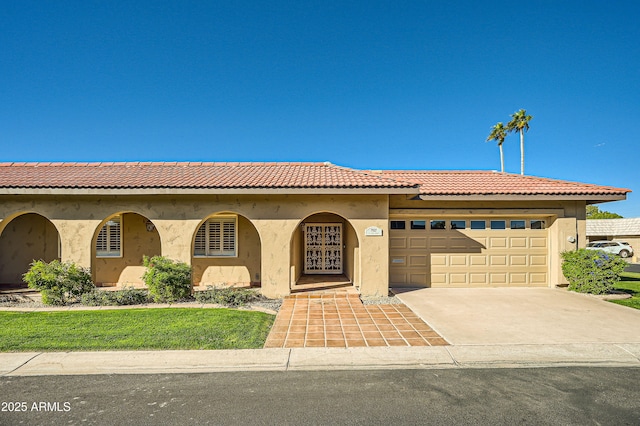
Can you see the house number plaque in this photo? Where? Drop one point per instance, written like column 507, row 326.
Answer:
column 373, row 231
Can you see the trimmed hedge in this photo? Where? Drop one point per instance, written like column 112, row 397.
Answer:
column 592, row 271
column 228, row 296
column 124, row 297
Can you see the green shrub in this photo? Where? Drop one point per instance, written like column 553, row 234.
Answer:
column 167, row 280
column 592, row 271
column 126, row 296
column 58, row 282
column 228, row 296
column 95, row 298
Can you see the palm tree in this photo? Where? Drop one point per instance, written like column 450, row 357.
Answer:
column 520, row 123
column 498, row 133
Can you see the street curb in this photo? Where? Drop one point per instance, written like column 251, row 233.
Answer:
column 314, row 359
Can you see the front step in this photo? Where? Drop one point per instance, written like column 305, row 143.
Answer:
column 322, row 286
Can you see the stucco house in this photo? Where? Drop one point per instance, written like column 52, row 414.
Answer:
column 277, row 225
column 626, row 229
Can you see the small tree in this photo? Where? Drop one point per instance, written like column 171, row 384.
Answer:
column 593, row 212
column 167, row 280
column 58, row 282
column 592, row 271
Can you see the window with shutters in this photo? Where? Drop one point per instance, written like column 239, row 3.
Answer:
column 109, row 242
column 216, row 237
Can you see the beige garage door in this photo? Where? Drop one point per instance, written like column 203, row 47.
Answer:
column 468, row 252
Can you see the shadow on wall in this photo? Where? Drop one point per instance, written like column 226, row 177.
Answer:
column 26, row 238
column 123, row 240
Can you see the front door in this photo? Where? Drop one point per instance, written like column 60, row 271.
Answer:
column 323, row 248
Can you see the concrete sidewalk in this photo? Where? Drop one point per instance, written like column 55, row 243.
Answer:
column 463, row 356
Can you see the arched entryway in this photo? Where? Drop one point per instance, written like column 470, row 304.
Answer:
column 226, row 251
column 25, row 238
column 118, row 247
column 325, row 252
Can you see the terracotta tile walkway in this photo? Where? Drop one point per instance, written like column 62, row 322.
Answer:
column 340, row 320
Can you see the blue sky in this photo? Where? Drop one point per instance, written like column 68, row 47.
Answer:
column 364, row 84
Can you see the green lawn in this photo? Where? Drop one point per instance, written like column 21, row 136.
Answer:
column 131, row 329
column 630, row 283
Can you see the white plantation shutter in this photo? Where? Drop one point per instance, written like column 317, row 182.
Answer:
column 109, row 241
column 229, row 238
column 200, row 245
column 114, row 237
column 216, row 237
column 101, row 242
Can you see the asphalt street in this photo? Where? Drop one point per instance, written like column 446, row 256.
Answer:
column 633, row 267
column 567, row 395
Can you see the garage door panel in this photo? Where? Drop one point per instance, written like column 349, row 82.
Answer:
column 497, row 242
column 538, row 278
column 518, row 242
column 478, row 260
column 458, row 260
column 398, row 278
column 463, row 243
column 458, row 279
column 538, row 242
column 498, row 260
column 418, row 242
column 518, row 260
column 438, row 279
column 439, row 260
column 419, row 279
column 438, row 243
column 419, row 260
column 478, row 279
column 538, row 260
column 518, row 278
column 498, row 278
column 480, row 241
column 398, row 242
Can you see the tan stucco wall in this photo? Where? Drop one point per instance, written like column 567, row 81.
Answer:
column 127, row 269
column 177, row 218
column 242, row 270
column 24, row 239
column 351, row 254
column 297, row 255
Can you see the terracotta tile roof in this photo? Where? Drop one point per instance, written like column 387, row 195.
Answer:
column 277, row 176
column 494, row 183
column 185, row 175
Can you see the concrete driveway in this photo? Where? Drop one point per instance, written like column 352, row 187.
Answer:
column 522, row 316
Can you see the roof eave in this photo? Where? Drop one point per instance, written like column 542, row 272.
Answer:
column 589, row 198
column 203, row 191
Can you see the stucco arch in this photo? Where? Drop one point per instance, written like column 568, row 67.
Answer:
column 239, row 270
column 138, row 238
column 350, row 240
column 25, row 237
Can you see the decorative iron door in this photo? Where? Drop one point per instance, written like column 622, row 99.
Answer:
column 323, row 248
